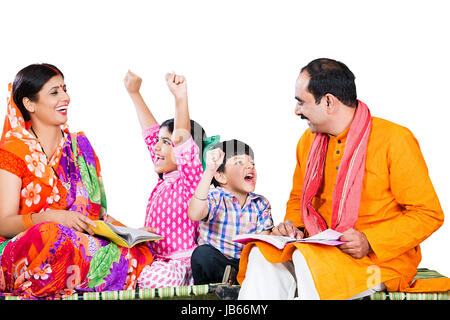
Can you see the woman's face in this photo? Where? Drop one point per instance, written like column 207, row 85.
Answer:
column 52, row 103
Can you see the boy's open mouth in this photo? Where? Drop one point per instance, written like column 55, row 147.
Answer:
column 249, row 177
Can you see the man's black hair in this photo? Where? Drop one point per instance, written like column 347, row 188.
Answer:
column 334, row 77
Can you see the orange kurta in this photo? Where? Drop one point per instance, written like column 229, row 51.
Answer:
column 399, row 209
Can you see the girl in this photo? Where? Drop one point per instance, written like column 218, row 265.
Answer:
column 175, row 148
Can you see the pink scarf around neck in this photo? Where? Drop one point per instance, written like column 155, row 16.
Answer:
column 347, row 191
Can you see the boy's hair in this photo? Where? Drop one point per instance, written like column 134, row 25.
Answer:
column 231, row 148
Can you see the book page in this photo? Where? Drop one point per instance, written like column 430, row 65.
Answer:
column 132, row 235
column 123, row 236
column 327, row 237
column 276, row 241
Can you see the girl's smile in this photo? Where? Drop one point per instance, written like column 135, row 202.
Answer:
column 164, row 156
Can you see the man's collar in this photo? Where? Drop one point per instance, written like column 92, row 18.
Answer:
column 340, row 136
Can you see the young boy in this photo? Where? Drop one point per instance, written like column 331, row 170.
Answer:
column 229, row 209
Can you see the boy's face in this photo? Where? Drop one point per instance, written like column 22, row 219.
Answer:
column 240, row 174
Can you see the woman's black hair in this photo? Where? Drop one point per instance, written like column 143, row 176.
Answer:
column 334, row 77
column 197, row 132
column 29, row 81
column 231, row 148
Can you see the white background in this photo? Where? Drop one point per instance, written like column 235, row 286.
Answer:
column 241, row 59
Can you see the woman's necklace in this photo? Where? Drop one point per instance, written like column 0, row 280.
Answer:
column 65, row 184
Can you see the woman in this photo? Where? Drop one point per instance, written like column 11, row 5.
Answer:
column 51, row 192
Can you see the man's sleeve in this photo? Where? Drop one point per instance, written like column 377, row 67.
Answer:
column 420, row 213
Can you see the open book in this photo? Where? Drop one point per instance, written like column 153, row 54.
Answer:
column 123, row 236
column 328, row 237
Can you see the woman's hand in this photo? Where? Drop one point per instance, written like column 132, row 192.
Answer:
column 71, row 219
column 132, row 82
column 177, row 85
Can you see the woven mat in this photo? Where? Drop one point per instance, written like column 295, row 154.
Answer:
column 207, row 292
column 422, row 273
column 190, row 292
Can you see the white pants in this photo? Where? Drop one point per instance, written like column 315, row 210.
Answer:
column 278, row 281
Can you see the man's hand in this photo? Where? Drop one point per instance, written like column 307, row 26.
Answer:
column 177, row 85
column 287, row 229
column 356, row 244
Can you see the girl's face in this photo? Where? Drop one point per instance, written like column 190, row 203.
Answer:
column 165, row 157
column 52, row 103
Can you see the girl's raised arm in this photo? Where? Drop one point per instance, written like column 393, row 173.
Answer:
column 182, row 126
column 133, row 84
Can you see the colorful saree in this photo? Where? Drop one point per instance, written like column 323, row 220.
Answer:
column 50, row 260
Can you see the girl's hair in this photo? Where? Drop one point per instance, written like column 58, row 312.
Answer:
column 197, row 132
column 29, row 81
column 231, row 148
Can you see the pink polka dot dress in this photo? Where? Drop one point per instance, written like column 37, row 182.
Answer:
column 167, row 213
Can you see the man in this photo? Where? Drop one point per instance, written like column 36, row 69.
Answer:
column 360, row 175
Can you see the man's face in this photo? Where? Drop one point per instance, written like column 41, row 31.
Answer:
column 306, row 106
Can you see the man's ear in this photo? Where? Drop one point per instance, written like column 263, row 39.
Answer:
column 28, row 104
column 220, row 178
column 331, row 103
